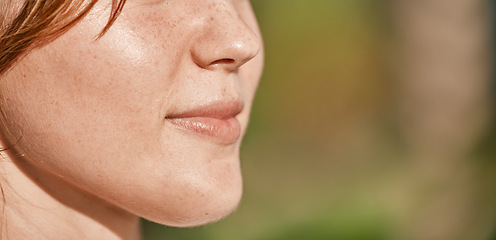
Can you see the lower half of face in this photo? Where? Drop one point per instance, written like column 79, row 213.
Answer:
column 142, row 117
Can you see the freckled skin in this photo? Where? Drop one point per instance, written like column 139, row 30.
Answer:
column 92, row 111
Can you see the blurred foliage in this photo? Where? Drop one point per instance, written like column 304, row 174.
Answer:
column 324, row 61
column 322, row 158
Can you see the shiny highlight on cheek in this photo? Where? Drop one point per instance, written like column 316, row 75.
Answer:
column 132, row 48
column 39, row 22
column 157, row 105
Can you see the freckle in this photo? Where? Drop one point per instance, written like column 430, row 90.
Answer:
column 206, row 213
column 203, row 195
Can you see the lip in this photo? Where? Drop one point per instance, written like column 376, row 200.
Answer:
column 216, row 121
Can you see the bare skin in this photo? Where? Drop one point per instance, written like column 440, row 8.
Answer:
column 146, row 121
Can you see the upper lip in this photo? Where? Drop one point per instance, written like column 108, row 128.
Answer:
column 219, row 110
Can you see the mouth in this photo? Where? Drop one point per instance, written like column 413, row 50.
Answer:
column 216, row 121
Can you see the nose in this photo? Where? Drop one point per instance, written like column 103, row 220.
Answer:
column 226, row 40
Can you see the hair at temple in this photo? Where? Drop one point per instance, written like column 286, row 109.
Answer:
column 38, row 22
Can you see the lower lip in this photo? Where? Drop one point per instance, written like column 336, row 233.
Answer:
column 222, row 131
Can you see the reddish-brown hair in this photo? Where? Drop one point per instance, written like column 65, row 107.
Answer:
column 40, row 21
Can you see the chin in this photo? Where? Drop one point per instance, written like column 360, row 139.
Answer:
column 198, row 204
column 203, row 215
column 198, row 211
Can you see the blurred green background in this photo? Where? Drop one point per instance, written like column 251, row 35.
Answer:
column 328, row 154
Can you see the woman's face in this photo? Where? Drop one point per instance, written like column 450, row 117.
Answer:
column 148, row 117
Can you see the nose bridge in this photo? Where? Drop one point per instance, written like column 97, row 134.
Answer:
column 225, row 40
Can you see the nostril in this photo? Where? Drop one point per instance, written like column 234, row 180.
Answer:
column 222, row 61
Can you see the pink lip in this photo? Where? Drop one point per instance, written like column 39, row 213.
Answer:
column 216, row 121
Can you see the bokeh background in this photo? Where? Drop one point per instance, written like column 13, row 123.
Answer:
column 373, row 121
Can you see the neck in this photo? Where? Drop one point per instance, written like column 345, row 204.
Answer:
column 39, row 205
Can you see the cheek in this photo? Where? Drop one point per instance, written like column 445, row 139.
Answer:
column 92, row 113
column 77, row 99
column 102, row 130
column 68, row 117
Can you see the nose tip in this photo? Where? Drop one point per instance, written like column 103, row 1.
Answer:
column 232, row 56
column 225, row 43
